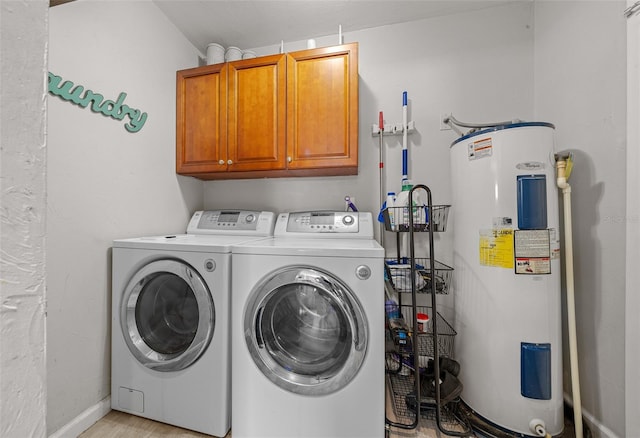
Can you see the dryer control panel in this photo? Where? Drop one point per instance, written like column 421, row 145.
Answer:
column 329, row 224
column 244, row 222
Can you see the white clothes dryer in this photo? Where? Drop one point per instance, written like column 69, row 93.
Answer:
column 308, row 330
column 171, row 357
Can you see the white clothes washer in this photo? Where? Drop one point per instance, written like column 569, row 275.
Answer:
column 308, row 330
column 171, row 357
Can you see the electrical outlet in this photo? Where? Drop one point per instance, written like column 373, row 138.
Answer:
column 444, row 126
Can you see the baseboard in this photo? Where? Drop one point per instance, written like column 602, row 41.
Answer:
column 85, row 420
column 598, row 430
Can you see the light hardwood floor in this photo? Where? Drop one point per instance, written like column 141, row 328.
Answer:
column 122, row 425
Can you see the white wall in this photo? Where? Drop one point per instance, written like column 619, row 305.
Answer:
column 562, row 62
column 23, row 209
column 482, row 66
column 105, row 182
column 580, row 85
column 477, row 65
column 632, row 306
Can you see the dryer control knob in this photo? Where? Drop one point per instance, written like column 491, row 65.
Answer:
column 363, row 272
column 209, row 265
column 250, row 218
column 348, row 220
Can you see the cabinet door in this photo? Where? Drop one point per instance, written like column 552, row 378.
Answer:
column 322, row 107
column 201, row 115
column 257, row 114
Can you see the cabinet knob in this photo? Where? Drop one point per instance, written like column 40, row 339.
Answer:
column 289, row 159
column 221, row 162
column 229, row 162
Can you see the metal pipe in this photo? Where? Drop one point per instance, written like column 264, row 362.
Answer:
column 632, row 10
column 451, row 121
column 562, row 176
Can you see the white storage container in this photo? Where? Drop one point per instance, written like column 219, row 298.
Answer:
column 233, row 54
column 215, row 54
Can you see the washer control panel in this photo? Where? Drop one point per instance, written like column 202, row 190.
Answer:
column 333, row 224
column 249, row 222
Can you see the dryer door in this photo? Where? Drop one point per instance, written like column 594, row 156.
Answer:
column 306, row 330
column 167, row 315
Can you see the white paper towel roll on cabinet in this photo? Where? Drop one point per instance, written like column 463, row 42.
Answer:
column 233, row 54
column 215, row 54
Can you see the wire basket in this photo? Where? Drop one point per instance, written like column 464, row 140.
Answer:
column 403, row 386
column 401, row 372
column 446, row 333
column 398, row 219
column 399, row 273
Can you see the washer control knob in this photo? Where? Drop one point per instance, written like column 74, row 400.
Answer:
column 363, row 272
column 348, row 220
column 209, row 265
column 250, row 218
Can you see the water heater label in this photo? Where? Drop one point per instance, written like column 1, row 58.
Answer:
column 555, row 244
column 502, row 222
column 496, row 248
column 533, row 266
column 532, row 252
column 480, row 148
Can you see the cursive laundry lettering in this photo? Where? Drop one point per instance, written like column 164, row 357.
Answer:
column 117, row 110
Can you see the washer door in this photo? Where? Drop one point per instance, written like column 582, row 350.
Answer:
column 305, row 330
column 167, row 315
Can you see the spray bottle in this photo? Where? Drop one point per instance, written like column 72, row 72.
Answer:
column 390, row 204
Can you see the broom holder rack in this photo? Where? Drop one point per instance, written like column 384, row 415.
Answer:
column 393, row 129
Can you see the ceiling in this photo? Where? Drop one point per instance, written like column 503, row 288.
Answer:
column 259, row 23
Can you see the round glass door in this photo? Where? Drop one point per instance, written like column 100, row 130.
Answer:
column 306, row 330
column 167, row 315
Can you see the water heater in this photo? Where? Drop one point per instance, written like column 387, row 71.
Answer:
column 507, row 277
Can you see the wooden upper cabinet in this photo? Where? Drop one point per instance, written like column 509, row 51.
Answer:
column 257, row 114
column 322, row 109
column 201, row 114
column 271, row 116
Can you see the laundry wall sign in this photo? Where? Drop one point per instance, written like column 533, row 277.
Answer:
column 77, row 94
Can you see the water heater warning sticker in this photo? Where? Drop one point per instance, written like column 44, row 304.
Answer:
column 496, row 248
column 533, row 266
column 532, row 252
column 480, row 148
